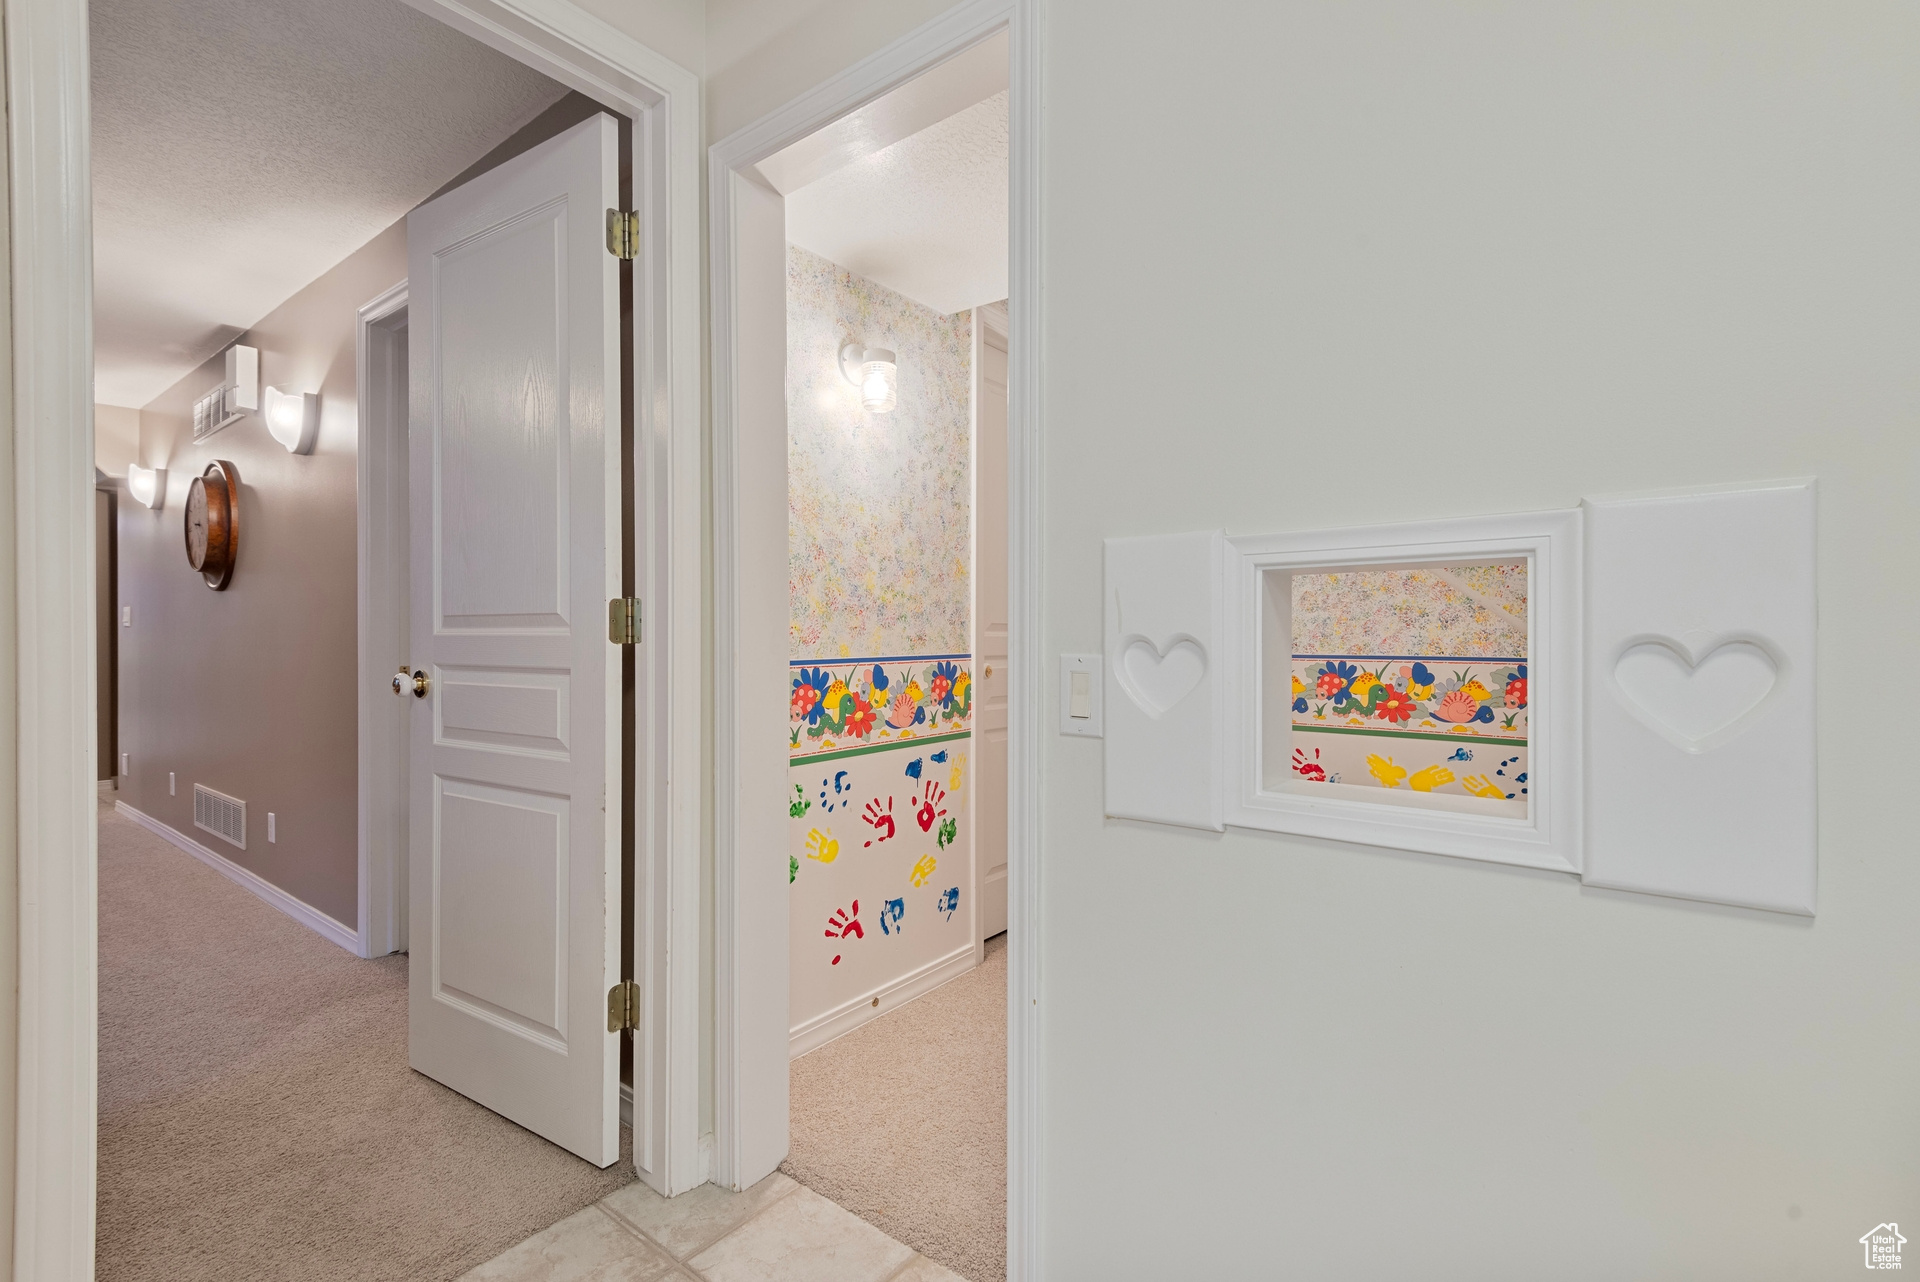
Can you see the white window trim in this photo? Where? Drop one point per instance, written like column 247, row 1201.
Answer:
column 1550, row 835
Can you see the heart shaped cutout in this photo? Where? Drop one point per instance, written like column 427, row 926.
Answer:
column 1157, row 680
column 1698, row 699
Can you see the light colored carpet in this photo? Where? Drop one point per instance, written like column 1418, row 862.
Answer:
column 904, row 1121
column 257, row 1115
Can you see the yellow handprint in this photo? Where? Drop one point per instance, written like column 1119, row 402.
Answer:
column 959, row 773
column 923, row 870
column 1430, row 778
column 1481, row 786
column 1383, row 769
column 822, row 846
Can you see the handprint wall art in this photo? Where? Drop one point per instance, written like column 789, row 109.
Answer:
column 889, row 831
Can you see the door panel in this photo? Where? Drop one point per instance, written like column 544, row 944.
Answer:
column 501, row 340
column 990, row 664
column 515, row 750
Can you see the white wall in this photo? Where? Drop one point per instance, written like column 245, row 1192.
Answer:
column 1317, row 264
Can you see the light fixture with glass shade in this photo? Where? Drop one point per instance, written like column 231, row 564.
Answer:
column 293, row 419
column 148, row 485
column 874, row 371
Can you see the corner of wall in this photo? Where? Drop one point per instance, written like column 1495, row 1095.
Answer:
column 9, row 792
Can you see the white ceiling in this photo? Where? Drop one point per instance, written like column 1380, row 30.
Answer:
column 926, row 215
column 243, row 147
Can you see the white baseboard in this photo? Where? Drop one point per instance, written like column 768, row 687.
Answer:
column 298, row 909
column 108, row 786
column 821, row 1029
column 626, row 1105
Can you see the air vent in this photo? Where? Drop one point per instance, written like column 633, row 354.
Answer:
column 223, row 816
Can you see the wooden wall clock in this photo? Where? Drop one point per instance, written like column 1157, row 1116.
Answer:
column 213, row 523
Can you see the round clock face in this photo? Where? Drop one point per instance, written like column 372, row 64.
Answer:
column 197, row 524
column 213, row 524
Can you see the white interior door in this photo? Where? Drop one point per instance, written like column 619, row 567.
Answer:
column 990, row 627
column 514, row 464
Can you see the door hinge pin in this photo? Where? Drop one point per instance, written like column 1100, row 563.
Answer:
column 623, row 1007
column 623, row 233
column 623, row 620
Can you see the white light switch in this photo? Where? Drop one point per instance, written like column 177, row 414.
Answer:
column 123, row 764
column 170, row 791
column 270, row 836
column 1080, row 689
column 126, row 616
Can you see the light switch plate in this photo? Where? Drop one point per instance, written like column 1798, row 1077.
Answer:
column 1087, row 667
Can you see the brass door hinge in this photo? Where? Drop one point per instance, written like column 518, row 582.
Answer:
column 623, row 233
column 623, row 620
column 623, row 1007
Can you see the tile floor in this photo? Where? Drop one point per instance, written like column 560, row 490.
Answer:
column 776, row 1229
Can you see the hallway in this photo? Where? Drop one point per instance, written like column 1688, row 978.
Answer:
column 257, row 1115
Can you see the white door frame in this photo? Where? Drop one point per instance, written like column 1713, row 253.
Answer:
column 744, row 540
column 50, row 212
column 381, row 530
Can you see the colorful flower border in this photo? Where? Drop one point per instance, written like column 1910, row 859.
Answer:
column 1429, row 697
column 840, row 706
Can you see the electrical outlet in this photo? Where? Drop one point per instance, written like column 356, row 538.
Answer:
column 270, row 836
column 170, row 791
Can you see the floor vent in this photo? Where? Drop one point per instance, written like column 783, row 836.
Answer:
column 223, row 816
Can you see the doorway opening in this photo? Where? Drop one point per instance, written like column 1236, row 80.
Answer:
column 377, row 376
column 868, row 283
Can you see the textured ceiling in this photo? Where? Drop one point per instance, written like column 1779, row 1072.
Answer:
column 926, row 217
column 243, row 147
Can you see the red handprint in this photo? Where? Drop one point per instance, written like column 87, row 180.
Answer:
column 933, row 795
column 845, row 924
column 1312, row 769
column 880, row 820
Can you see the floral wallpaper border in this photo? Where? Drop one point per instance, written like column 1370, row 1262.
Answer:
column 1435, row 695
column 845, row 707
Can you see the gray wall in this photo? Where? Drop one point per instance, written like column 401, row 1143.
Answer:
column 251, row 691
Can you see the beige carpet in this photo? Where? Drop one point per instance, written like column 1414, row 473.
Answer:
column 257, row 1115
column 904, row 1121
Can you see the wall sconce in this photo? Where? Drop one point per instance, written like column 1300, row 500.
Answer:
column 293, row 418
column 873, row 371
column 147, row 484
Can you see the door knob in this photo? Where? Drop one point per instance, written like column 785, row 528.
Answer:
column 989, row 670
column 416, row 682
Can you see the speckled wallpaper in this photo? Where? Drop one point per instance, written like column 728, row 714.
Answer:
column 877, row 504
column 880, row 846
